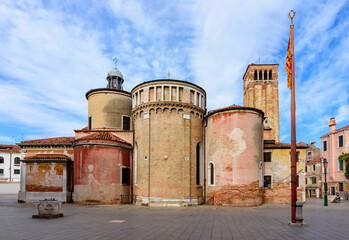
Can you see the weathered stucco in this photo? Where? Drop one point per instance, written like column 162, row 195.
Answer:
column 234, row 146
column 44, row 178
column 97, row 174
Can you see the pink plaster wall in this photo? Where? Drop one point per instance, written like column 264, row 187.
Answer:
column 234, row 145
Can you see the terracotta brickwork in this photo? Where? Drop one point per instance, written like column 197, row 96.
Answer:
column 263, row 93
column 167, row 135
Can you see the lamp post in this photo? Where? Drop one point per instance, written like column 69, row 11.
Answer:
column 325, row 163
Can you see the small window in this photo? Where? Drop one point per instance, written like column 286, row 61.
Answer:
column 313, row 180
column 324, row 146
column 126, row 122
column 125, row 176
column 267, row 181
column 17, row 171
column 1, row 171
column 306, row 169
column 17, row 161
column 89, row 122
column 306, row 180
column 314, row 167
column 267, row 157
column 341, row 165
column 265, row 75
column 340, row 141
column 270, row 75
column 297, row 181
column 297, row 156
column 1, row 160
column 255, row 75
column 260, row 75
column 341, row 188
column 211, row 174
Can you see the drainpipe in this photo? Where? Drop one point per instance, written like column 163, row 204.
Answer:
column 10, row 167
column 132, row 167
column 204, row 157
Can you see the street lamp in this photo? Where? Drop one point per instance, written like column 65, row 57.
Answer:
column 325, row 163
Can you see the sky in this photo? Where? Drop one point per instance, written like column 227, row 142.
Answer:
column 53, row 52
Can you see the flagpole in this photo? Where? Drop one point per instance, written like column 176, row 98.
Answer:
column 293, row 129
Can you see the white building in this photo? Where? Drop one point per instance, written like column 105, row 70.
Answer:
column 10, row 164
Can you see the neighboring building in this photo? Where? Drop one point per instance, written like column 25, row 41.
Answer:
column 277, row 171
column 157, row 146
column 10, row 165
column 334, row 144
column 313, row 172
column 47, row 169
column 261, row 91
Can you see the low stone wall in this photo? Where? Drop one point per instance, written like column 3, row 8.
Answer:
column 9, row 188
column 280, row 194
column 237, row 196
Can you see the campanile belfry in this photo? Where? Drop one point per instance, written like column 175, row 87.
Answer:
column 261, row 91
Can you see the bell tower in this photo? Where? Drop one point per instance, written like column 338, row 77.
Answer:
column 261, row 91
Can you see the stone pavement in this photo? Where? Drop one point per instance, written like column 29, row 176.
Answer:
column 201, row 222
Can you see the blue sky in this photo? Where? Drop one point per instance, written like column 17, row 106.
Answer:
column 52, row 52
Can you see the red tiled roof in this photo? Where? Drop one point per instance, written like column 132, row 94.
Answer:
column 10, row 148
column 272, row 144
column 104, row 135
column 315, row 160
column 234, row 106
column 56, row 140
column 85, row 129
column 48, row 157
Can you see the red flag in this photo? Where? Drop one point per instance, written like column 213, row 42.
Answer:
column 289, row 62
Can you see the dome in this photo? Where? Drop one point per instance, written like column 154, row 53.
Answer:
column 115, row 72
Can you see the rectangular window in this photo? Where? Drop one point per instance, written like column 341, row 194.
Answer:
column 314, row 167
column 313, row 180
column 306, row 169
column 340, row 166
column 340, row 141
column 341, row 187
column 1, row 160
column 89, row 122
column 1, row 171
column 297, row 156
column 306, row 180
column 126, row 122
column 267, row 181
column 16, row 171
column 297, row 180
column 324, row 146
column 267, row 157
column 125, row 176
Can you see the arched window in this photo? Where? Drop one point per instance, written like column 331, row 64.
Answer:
column 198, row 165
column 211, row 174
column 265, row 75
column 255, row 75
column 270, row 75
column 260, row 75
column 17, row 161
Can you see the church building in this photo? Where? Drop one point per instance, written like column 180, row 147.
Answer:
column 158, row 146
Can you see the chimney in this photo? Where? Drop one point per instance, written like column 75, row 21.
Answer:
column 313, row 143
column 332, row 125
